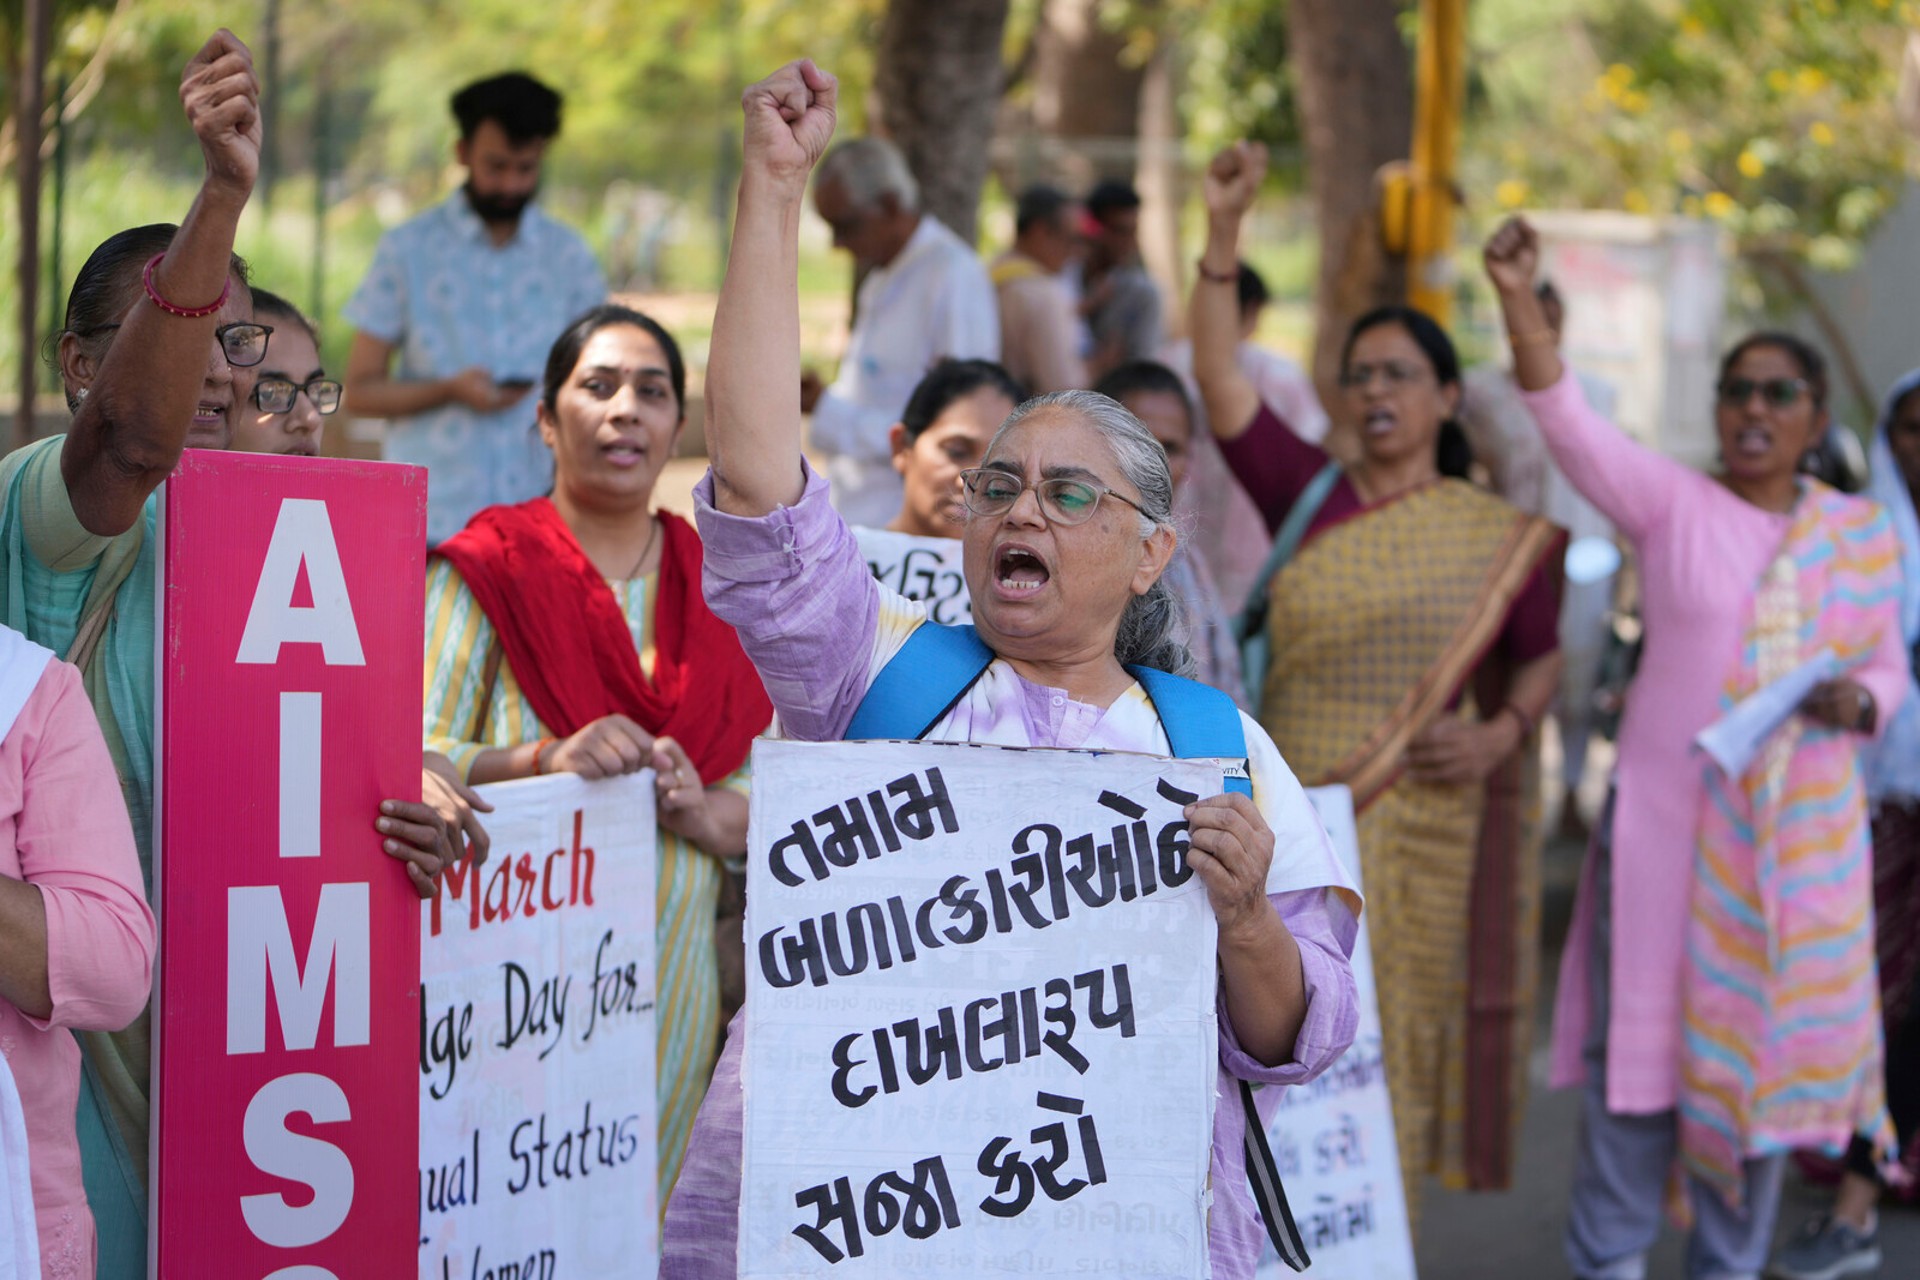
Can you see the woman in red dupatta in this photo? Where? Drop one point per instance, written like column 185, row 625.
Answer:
column 568, row 634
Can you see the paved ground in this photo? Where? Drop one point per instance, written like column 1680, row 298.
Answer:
column 1516, row 1235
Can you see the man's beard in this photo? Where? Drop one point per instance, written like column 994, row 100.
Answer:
column 497, row 209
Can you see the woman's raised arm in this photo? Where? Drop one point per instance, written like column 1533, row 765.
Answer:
column 753, row 371
column 128, row 434
column 1213, row 312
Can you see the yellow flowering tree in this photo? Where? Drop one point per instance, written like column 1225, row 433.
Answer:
column 1776, row 119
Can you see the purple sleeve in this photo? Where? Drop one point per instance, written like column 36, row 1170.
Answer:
column 1272, row 464
column 1325, row 929
column 1533, row 623
column 795, row 588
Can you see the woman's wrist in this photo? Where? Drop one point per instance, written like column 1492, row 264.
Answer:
column 1253, row 930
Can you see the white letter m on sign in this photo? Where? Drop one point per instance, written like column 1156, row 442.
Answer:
column 259, row 943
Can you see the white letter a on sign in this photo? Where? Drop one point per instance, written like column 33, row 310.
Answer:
column 302, row 534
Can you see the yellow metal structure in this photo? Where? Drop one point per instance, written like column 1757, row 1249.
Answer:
column 1428, row 193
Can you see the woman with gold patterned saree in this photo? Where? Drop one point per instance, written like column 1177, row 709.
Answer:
column 1409, row 590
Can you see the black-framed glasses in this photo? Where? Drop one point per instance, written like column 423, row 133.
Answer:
column 243, row 342
column 1395, row 373
column 276, row 395
column 992, row 492
column 1777, row 392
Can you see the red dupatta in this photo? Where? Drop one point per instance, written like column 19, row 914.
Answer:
column 564, row 634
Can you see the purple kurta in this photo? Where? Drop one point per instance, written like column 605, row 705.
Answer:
column 819, row 628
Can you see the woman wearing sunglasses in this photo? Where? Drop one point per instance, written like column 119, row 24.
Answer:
column 1068, row 528
column 1717, row 999
column 292, row 396
column 1397, row 590
column 157, row 354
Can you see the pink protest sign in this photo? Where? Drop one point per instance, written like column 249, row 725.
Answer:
column 287, row 1021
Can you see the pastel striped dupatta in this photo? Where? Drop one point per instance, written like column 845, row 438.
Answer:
column 1376, row 626
column 1781, row 1044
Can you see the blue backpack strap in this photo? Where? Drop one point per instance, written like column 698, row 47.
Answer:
column 919, row 685
column 1201, row 722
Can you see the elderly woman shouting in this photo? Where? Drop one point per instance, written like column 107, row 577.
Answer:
column 1067, row 533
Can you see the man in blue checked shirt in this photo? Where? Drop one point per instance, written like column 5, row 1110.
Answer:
column 469, row 295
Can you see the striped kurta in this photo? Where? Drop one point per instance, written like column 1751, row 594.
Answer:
column 687, row 1009
column 1781, row 1043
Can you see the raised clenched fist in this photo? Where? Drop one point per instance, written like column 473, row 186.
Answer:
column 789, row 121
column 1233, row 179
column 1512, row 256
column 221, row 95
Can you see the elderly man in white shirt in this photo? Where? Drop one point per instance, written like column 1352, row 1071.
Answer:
column 926, row 296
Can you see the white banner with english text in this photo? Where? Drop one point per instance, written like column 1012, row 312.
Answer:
column 981, row 1035
column 537, row 1041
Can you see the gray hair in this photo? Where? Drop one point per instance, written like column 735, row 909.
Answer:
column 1152, row 627
column 868, row 168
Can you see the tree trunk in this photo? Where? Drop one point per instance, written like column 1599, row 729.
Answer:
column 27, row 111
column 1160, row 178
column 937, row 81
column 1081, row 87
column 1355, row 79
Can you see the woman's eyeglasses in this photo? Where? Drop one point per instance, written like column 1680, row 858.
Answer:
column 1777, row 392
column 1395, row 374
column 276, row 395
column 991, row 492
column 244, row 343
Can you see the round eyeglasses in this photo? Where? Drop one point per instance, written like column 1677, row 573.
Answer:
column 244, row 343
column 991, row 492
column 276, row 395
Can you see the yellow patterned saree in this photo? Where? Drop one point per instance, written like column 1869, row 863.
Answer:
column 1377, row 626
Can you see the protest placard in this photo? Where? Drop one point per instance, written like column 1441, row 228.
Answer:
column 285, row 1114
column 1333, row 1138
column 981, row 1032
column 925, row 569
column 537, row 1041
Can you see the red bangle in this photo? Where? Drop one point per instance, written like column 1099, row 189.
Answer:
column 539, row 748
column 174, row 309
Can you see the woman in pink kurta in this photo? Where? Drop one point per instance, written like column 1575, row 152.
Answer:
column 1704, row 544
column 76, row 954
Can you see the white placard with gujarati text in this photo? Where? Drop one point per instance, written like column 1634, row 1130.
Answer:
column 1333, row 1138
column 537, row 1106
column 925, row 569
column 981, row 1033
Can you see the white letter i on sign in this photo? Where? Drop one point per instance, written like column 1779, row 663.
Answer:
column 299, row 775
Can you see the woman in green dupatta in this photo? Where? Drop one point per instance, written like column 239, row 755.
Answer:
column 150, row 367
column 1410, row 594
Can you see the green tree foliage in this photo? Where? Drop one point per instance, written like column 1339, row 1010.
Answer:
column 1777, row 119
